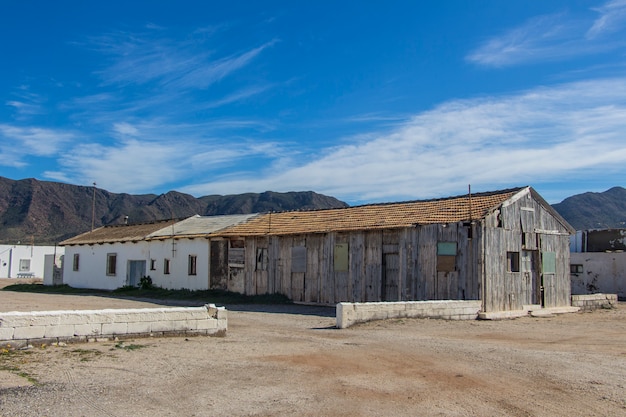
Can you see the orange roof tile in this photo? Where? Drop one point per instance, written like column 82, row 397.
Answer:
column 374, row 216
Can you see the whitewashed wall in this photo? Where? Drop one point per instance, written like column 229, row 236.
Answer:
column 10, row 256
column 92, row 266
column 602, row 273
column 178, row 251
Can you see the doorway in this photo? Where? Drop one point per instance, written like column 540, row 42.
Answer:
column 136, row 270
column 530, row 275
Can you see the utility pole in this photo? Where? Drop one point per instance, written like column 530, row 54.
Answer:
column 93, row 208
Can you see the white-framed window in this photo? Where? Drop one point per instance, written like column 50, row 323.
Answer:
column 76, row 262
column 111, row 263
column 24, row 265
column 191, row 265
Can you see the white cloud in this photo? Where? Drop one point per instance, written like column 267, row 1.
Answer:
column 149, row 155
column 564, row 132
column 141, row 59
column 612, row 18
column 554, row 37
column 19, row 142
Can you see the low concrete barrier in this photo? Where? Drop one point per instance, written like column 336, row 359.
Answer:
column 18, row 329
column 351, row 313
column 594, row 301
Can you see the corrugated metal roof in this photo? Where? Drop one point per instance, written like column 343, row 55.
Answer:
column 118, row 233
column 374, row 216
column 200, row 226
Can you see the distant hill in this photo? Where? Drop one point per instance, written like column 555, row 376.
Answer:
column 595, row 210
column 48, row 212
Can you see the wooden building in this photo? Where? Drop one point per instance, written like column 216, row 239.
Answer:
column 507, row 248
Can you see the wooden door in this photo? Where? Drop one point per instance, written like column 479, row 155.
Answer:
column 391, row 276
column 530, row 275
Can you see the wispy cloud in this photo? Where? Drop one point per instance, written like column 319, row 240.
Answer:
column 612, row 18
column 145, row 58
column 150, row 155
column 555, row 37
column 571, row 130
column 20, row 142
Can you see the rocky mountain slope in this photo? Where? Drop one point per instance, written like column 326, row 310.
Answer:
column 47, row 212
column 595, row 210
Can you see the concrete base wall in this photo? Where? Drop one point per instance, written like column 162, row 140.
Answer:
column 594, row 301
column 18, row 329
column 601, row 273
column 351, row 313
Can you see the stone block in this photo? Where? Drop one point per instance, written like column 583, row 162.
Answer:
column 139, row 327
column 6, row 333
column 207, row 324
column 88, row 330
column 30, row 332
column 16, row 319
column 62, row 330
column 114, row 328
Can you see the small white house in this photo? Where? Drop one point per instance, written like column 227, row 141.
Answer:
column 598, row 262
column 174, row 254
column 25, row 261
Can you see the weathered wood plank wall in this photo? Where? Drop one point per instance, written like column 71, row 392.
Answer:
column 497, row 258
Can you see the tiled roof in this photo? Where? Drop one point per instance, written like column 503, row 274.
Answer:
column 374, row 216
column 118, row 233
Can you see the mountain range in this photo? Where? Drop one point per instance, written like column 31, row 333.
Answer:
column 47, row 212
column 604, row 210
column 43, row 212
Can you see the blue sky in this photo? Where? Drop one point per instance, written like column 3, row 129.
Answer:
column 362, row 100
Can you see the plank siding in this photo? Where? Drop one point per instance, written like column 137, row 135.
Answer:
column 404, row 264
column 357, row 266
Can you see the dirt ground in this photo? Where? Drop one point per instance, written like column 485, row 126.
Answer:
column 290, row 360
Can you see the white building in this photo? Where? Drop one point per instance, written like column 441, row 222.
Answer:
column 25, row 261
column 598, row 262
column 174, row 254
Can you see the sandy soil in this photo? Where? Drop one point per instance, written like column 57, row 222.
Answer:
column 290, row 360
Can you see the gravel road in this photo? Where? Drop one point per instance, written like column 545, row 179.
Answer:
column 290, row 360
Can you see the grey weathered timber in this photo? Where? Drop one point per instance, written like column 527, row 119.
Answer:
column 516, row 254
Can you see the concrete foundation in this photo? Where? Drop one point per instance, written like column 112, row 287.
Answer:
column 352, row 313
column 590, row 302
column 528, row 310
column 18, row 329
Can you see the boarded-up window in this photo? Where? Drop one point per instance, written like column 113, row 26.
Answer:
column 236, row 257
column 512, row 261
column 76, row 262
column 261, row 259
column 236, row 254
column 298, row 259
column 548, row 262
column 111, row 263
column 341, row 257
column 527, row 219
column 446, row 256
